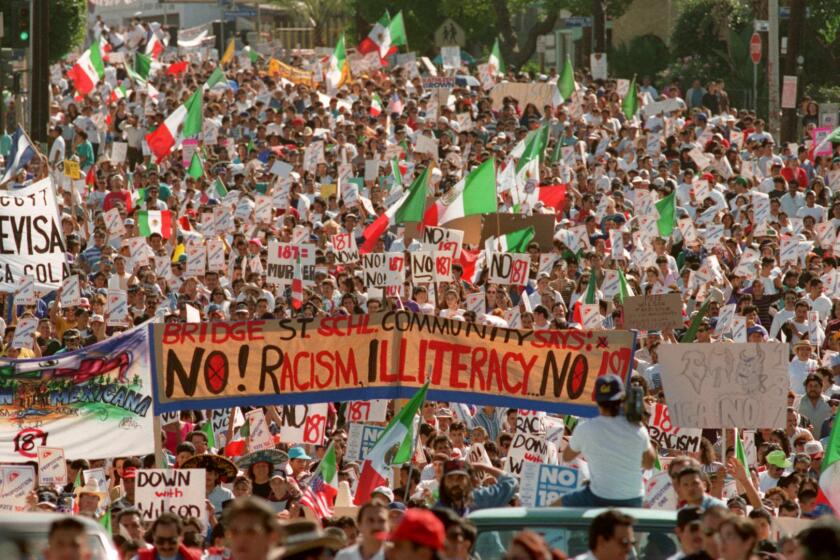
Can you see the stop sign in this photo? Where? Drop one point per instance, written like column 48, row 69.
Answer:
column 755, row 48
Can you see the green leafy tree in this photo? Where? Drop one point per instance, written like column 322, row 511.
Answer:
column 68, row 26
column 316, row 13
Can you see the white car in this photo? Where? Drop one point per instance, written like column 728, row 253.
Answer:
column 24, row 536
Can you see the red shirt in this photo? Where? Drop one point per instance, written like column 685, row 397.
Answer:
column 801, row 177
column 112, row 198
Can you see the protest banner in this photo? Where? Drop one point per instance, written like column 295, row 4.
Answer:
column 375, row 410
column 389, row 355
column 737, row 385
column 525, row 448
column 294, row 75
column 16, row 483
column 538, row 94
column 52, row 467
column 282, row 260
column 530, row 421
column 178, row 491
column 93, row 403
column 304, row 424
column 541, row 485
column 360, row 440
column 653, row 312
column 668, row 436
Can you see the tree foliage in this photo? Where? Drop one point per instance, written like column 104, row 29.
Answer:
column 68, row 26
column 316, row 13
column 646, row 55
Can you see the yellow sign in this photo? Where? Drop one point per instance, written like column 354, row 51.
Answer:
column 294, row 75
column 72, row 169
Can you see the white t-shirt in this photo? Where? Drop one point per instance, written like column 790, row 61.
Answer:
column 613, row 449
column 354, row 553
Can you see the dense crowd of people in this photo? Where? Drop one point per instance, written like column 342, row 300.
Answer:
column 740, row 196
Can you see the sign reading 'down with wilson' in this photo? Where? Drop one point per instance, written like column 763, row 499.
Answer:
column 390, row 355
column 653, row 313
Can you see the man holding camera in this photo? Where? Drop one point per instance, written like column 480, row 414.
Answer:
column 616, row 450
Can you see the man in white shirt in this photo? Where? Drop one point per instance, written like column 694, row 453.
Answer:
column 373, row 521
column 615, row 449
column 57, row 150
column 818, row 300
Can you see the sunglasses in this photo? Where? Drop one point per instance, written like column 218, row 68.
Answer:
column 166, row 540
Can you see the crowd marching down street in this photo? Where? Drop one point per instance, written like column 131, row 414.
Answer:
column 264, row 304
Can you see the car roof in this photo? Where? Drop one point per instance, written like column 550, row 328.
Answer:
column 38, row 521
column 518, row 515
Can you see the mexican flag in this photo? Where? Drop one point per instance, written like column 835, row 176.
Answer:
column 177, row 68
column 163, row 139
column 155, row 46
column 154, row 221
column 118, row 93
column 88, row 70
column 513, row 242
column 497, row 65
column 535, row 145
column 566, row 84
column 400, row 435
column 142, row 65
column 830, row 470
column 478, row 197
column 624, row 289
column 408, row 208
column 375, row 105
column 207, row 428
column 297, row 284
column 691, row 332
column 338, row 71
column 667, row 208
column 219, row 190
column 385, row 36
column 196, row 169
column 216, row 77
column 630, row 103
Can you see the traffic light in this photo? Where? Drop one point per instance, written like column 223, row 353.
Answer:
column 17, row 17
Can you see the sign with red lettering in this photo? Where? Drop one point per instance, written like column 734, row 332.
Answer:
column 344, row 248
column 525, row 448
column 384, row 356
column 668, row 436
column 304, row 424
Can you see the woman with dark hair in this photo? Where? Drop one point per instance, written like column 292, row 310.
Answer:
column 528, row 545
column 738, row 538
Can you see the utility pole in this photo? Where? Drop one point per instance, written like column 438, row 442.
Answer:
column 599, row 26
column 39, row 89
column 774, row 124
column 794, row 45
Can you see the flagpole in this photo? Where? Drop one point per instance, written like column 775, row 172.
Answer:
column 413, row 449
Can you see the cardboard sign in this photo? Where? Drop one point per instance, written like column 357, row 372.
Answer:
column 653, row 313
column 360, row 440
column 72, row 170
column 537, row 93
column 541, row 485
column 509, row 268
column 25, row 294
column 52, row 468
column 525, row 448
column 304, row 424
column 282, row 260
column 726, row 385
column 375, row 410
column 24, row 330
column 478, row 455
column 114, row 223
column 117, row 310
column 179, row 491
column 346, row 251
column 445, row 240
column 259, row 436
column 16, row 483
column 659, row 492
column 668, row 436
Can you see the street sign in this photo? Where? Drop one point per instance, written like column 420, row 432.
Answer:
column 241, row 11
column 578, row 21
column 755, row 48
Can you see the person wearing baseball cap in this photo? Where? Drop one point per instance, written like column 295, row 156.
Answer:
column 419, row 536
column 614, row 448
column 689, row 531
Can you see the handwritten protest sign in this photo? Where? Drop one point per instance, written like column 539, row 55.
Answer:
column 360, row 440
column 346, row 251
column 446, row 240
column 668, row 436
column 304, row 424
column 24, row 330
column 509, row 268
column 478, row 455
column 525, row 448
column 653, row 313
column 16, row 482
column 726, row 385
column 390, row 355
column 541, row 485
column 375, row 410
column 52, row 468
column 178, row 491
column 282, row 260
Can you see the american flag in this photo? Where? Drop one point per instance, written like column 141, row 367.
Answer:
column 319, row 496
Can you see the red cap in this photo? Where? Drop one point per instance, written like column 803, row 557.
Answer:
column 420, row 526
column 129, row 472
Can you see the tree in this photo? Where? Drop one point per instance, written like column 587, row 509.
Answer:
column 68, row 26
column 317, row 13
